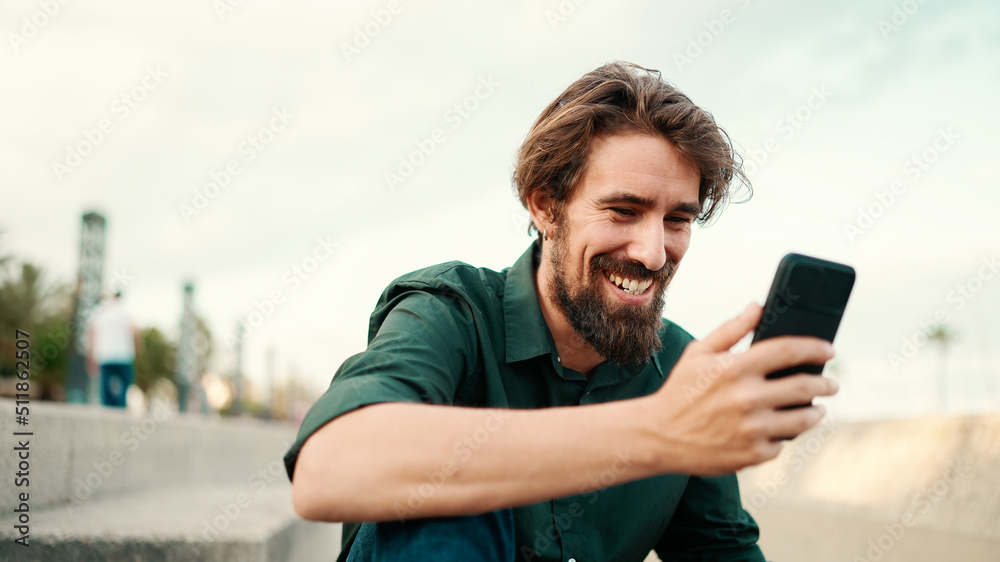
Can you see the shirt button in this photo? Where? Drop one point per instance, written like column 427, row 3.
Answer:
column 571, row 560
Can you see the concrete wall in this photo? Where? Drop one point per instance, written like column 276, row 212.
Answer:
column 910, row 490
column 925, row 489
column 82, row 453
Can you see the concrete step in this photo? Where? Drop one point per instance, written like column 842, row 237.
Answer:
column 109, row 485
column 179, row 523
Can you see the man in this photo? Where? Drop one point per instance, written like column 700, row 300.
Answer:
column 111, row 343
column 523, row 414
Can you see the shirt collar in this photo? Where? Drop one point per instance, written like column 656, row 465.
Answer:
column 526, row 331
column 527, row 334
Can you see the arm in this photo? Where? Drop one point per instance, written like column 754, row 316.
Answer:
column 715, row 414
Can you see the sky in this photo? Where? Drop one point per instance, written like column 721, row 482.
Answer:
column 290, row 160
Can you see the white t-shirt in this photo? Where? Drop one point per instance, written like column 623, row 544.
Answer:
column 113, row 339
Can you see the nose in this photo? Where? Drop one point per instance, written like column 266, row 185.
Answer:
column 648, row 247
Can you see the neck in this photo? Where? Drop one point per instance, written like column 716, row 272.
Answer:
column 574, row 353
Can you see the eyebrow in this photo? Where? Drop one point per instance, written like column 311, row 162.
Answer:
column 622, row 197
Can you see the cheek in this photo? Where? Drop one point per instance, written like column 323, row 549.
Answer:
column 678, row 244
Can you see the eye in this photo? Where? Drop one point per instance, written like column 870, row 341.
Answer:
column 623, row 212
column 682, row 219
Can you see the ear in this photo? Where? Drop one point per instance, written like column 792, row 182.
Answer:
column 538, row 207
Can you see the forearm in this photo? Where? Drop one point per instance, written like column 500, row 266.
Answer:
column 397, row 460
column 716, row 414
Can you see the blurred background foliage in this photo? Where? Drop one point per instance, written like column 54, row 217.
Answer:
column 33, row 302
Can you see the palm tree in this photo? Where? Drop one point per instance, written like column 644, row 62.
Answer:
column 942, row 335
column 29, row 302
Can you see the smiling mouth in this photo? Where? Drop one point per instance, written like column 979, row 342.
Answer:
column 630, row 286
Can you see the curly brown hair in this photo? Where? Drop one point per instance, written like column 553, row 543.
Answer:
column 622, row 97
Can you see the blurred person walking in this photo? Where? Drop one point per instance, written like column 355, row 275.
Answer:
column 112, row 340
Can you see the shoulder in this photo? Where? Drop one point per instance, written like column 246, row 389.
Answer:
column 450, row 278
column 451, row 286
column 452, row 275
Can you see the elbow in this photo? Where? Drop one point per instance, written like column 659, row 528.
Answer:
column 314, row 497
column 305, row 504
column 320, row 490
column 315, row 502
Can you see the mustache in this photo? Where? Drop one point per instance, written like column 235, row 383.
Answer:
column 632, row 269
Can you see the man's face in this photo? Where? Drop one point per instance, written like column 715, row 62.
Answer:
column 619, row 241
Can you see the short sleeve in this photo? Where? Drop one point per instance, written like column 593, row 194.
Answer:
column 421, row 352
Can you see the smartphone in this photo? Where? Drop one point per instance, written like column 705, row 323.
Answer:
column 807, row 298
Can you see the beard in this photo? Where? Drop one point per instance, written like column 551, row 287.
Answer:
column 622, row 333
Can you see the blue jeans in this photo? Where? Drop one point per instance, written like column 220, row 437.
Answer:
column 473, row 538
column 115, row 380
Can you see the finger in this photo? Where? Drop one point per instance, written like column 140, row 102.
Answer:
column 728, row 334
column 786, row 424
column 797, row 389
column 775, row 354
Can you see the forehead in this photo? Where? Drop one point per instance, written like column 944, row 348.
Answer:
column 646, row 165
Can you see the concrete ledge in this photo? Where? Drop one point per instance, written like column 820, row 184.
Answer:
column 211, row 523
column 106, row 485
column 813, row 534
column 922, row 487
column 79, row 453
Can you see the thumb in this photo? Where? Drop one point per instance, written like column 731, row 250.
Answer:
column 726, row 335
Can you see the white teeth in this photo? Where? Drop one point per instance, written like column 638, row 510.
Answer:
column 630, row 286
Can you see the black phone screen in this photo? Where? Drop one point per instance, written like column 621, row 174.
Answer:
column 807, row 298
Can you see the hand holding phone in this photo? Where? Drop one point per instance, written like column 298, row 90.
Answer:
column 807, row 298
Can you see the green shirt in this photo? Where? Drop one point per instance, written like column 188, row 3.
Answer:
column 457, row 335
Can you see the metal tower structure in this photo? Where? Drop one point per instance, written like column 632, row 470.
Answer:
column 88, row 294
column 237, row 407
column 186, row 359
